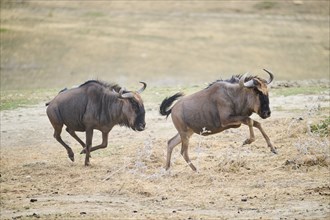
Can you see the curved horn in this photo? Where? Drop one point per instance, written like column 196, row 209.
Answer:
column 127, row 95
column 242, row 79
column 143, row 88
column 271, row 76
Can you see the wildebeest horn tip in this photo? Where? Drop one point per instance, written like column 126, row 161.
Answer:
column 143, row 87
column 271, row 76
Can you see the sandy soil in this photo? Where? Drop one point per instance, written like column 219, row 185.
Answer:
column 127, row 180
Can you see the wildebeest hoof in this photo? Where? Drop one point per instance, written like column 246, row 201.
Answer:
column 71, row 158
column 248, row 141
column 274, row 150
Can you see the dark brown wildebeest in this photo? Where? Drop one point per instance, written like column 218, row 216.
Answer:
column 222, row 105
column 95, row 105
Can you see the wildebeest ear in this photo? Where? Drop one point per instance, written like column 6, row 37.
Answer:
column 250, row 83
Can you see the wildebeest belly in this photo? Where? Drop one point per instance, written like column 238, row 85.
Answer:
column 208, row 131
column 204, row 123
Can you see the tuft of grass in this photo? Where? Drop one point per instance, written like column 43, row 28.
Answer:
column 230, row 165
column 309, row 161
column 321, row 128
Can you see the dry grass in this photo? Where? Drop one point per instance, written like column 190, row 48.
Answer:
column 171, row 44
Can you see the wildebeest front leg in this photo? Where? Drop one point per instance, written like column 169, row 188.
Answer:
column 89, row 137
column 249, row 122
column 231, row 121
column 104, row 143
column 270, row 145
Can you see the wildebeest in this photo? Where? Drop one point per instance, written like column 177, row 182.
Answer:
column 95, row 105
column 222, row 105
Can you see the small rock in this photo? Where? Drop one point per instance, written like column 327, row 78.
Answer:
column 33, row 200
column 36, row 215
column 83, row 213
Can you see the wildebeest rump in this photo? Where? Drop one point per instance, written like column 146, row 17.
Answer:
column 95, row 105
column 222, row 105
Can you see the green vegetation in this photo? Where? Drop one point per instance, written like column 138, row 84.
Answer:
column 309, row 90
column 2, row 30
column 94, row 14
column 321, row 128
column 11, row 99
column 265, row 5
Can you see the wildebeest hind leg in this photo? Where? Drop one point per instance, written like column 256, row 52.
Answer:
column 184, row 150
column 57, row 136
column 174, row 141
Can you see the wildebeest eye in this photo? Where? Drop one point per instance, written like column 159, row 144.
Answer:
column 135, row 105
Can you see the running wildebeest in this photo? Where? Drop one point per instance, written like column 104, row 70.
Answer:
column 222, row 105
column 95, row 105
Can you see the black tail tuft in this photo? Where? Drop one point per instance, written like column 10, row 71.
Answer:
column 166, row 104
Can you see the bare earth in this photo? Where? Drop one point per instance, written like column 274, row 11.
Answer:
column 127, row 180
column 173, row 47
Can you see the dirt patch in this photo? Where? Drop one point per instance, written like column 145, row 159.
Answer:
column 127, row 180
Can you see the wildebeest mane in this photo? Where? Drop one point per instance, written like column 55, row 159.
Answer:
column 234, row 80
column 110, row 86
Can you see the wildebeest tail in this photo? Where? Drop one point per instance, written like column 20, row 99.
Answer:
column 47, row 103
column 164, row 108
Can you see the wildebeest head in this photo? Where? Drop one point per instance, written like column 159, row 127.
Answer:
column 260, row 90
column 135, row 109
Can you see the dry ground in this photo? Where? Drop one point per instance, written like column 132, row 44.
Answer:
column 174, row 47
column 127, row 180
